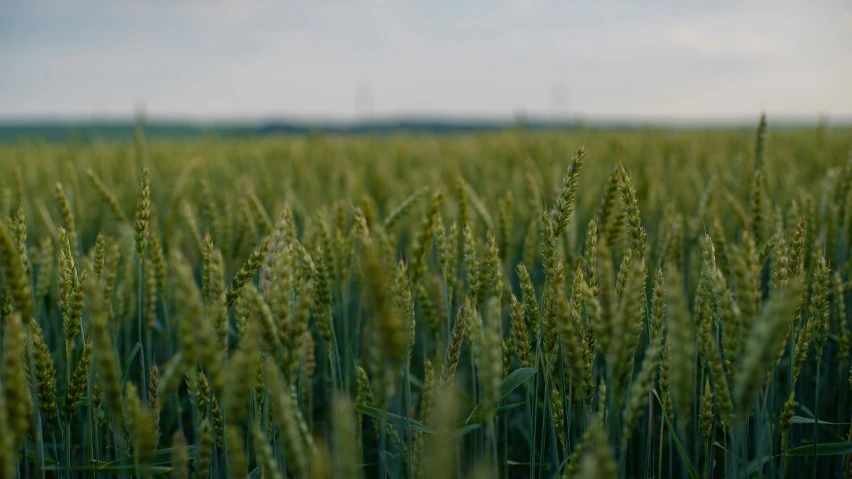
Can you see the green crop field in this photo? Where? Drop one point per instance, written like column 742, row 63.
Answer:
column 511, row 304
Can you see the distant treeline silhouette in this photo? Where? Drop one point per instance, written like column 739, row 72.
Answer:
column 87, row 131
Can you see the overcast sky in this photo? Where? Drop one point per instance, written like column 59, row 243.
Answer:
column 213, row 59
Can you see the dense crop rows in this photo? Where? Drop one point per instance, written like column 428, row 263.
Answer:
column 654, row 304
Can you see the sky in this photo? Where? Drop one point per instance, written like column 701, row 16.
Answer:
column 325, row 59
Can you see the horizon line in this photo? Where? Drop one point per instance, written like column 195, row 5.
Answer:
column 122, row 119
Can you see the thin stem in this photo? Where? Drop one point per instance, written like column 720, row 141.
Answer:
column 68, row 346
column 166, row 318
column 210, row 429
column 771, row 394
column 93, row 431
column 336, row 357
column 660, row 458
column 382, row 443
column 407, row 406
column 39, row 445
column 447, row 307
column 816, row 415
column 544, row 423
column 649, row 444
column 143, row 380
column 532, row 415
column 39, row 439
column 53, row 435
column 225, row 446
column 493, row 426
column 475, row 389
column 344, row 307
column 505, row 458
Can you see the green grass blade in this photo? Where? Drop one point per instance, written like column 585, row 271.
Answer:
column 142, row 469
column 399, row 210
column 393, row 419
column 129, row 362
column 823, row 449
column 158, row 458
column 391, row 462
column 464, row 430
column 513, row 381
column 807, row 420
column 754, row 467
column 479, row 206
column 680, row 450
column 480, row 417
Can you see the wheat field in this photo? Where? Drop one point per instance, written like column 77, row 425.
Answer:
column 586, row 304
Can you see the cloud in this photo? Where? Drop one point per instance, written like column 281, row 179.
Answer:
column 692, row 39
column 756, row 45
column 845, row 16
column 723, row 44
column 285, row 57
column 522, row 7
